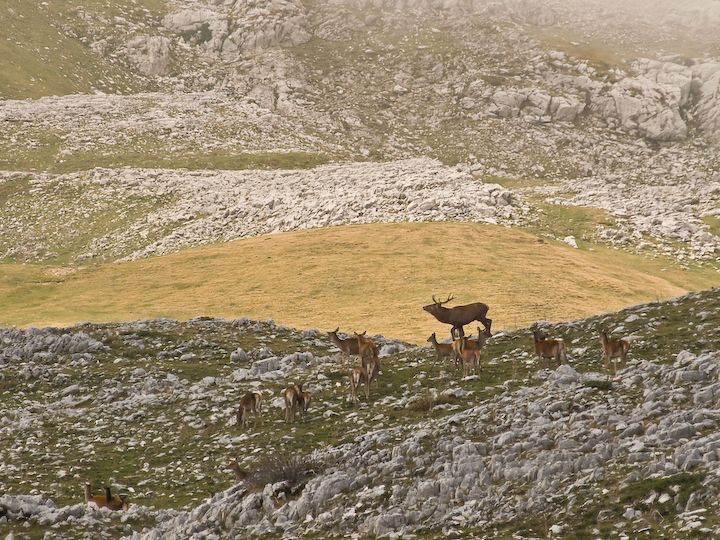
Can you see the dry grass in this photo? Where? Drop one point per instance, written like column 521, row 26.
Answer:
column 369, row 277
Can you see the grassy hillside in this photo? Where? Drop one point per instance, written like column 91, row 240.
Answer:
column 373, row 277
column 46, row 46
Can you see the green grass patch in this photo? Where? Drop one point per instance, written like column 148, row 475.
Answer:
column 563, row 220
column 44, row 152
column 604, row 386
column 713, row 223
column 682, row 485
column 45, row 50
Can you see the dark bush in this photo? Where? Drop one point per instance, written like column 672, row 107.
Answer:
column 293, row 468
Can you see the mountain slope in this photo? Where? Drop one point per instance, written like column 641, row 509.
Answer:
column 149, row 407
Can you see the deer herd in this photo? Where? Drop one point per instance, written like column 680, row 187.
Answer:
column 464, row 351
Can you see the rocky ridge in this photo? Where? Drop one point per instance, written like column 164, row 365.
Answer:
column 475, row 83
column 178, row 209
column 153, row 414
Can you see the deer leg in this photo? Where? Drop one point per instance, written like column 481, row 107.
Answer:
column 487, row 323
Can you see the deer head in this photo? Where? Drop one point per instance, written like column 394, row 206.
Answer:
column 436, row 305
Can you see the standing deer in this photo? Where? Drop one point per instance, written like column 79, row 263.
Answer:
column 241, row 475
column 347, row 346
column 613, row 348
column 442, row 350
column 306, row 399
column 360, row 375
column 467, row 351
column 549, row 348
column 368, row 351
column 459, row 316
column 294, row 402
column 249, row 403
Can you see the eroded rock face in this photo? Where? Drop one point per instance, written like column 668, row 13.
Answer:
column 653, row 109
column 227, row 30
column 706, row 83
column 151, row 54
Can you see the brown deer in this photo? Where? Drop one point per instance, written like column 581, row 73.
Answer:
column 467, row 351
column 306, row 399
column 442, row 350
column 459, row 316
column 613, row 349
column 347, row 346
column 294, row 402
column 241, row 475
column 367, row 350
column 249, row 403
column 360, row 375
column 113, row 502
column 549, row 348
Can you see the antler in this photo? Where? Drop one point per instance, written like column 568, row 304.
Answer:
column 450, row 297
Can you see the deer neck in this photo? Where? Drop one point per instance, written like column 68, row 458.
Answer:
column 335, row 339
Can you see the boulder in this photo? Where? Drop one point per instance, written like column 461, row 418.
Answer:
column 150, row 54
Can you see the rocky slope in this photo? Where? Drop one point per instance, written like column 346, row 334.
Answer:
column 149, row 407
column 611, row 105
column 163, row 211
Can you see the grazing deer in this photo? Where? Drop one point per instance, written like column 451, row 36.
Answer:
column 613, row 348
column 113, row 502
column 368, row 351
column 459, row 316
column 294, row 402
column 442, row 350
column 467, row 351
column 347, row 346
column 241, row 475
column 249, row 403
column 549, row 348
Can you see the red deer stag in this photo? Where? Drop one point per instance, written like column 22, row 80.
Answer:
column 549, row 348
column 459, row 316
column 294, row 402
column 249, row 403
column 347, row 346
column 613, row 349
